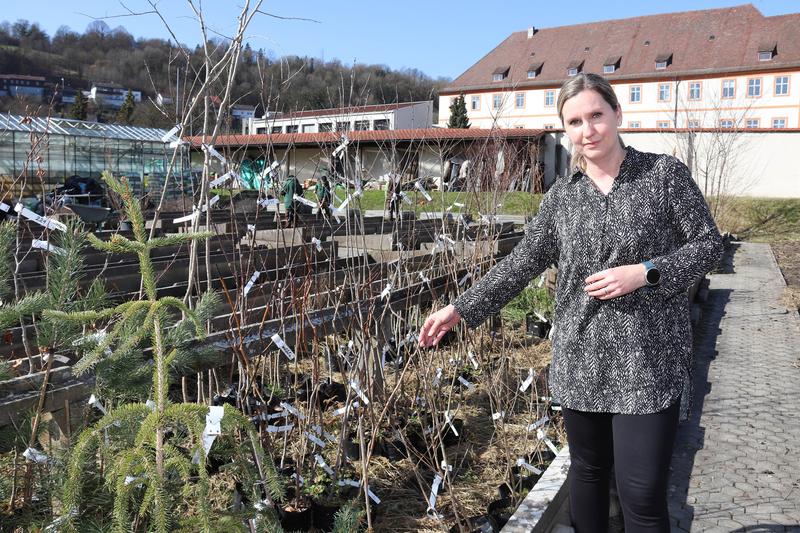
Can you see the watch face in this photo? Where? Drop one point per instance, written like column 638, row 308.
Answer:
column 653, row 276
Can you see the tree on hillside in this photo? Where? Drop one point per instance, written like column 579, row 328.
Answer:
column 458, row 114
column 125, row 113
column 78, row 110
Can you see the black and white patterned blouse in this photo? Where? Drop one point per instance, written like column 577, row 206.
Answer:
column 631, row 354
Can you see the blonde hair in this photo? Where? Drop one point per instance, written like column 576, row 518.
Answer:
column 577, row 84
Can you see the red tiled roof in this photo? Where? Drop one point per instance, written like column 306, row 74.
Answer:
column 375, row 108
column 427, row 134
column 738, row 33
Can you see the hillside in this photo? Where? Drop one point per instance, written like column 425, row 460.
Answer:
column 154, row 66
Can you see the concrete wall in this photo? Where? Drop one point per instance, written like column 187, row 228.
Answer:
column 419, row 115
column 759, row 164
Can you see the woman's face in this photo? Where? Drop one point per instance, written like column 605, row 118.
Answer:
column 591, row 124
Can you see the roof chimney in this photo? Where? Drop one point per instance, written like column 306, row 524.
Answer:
column 531, row 31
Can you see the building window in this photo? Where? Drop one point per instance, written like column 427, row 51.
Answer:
column 497, row 77
column 549, row 126
column 343, row 126
column 497, row 101
column 380, row 124
column 754, row 87
column 752, row 123
column 476, row 103
column 500, row 74
column 549, row 98
column 361, row 125
column 634, row 124
column 765, row 56
column 573, row 71
column 308, row 128
column 693, row 124
column 531, row 74
column 694, row 90
column 663, row 61
column 325, row 126
column 726, row 123
column 609, row 69
column 276, row 129
column 292, row 128
column 779, row 122
column 728, row 88
column 261, row 131
column 781, row 85
column 662, row 124
column 661, row 65
column 636, row 94
column 519, row 100
column 664, row 90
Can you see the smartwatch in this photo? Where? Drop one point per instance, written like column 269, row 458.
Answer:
column 652, row 275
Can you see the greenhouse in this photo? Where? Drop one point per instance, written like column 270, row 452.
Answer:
column 40, row 153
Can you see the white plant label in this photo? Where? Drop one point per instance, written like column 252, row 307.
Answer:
column 222, row 179
column 252, row 282
column 213, row 153
column 283, row 347
column 405, row 198
column 5, row 207
column 473, row 360
column 437, row 480
column 280, row 429
column 359, row 392
column 373, row 496
column 438, row 377
column 424, row 278
column 319, row 431
column 539, row 423
column 95, row 402
column 464, row 279
column 59, row 358
column 48, row 223
column 266, row 202
column 342, row 410
column 528, row 380
column 34, row 455
column 44, row 245
column 170, row 135
column 498, row 415
column 251, row 228
column 466, row 383
column 540, row 282
column 292, row 409
column 305, row 201
column 541, row 436
column 314, row 439
column 540, row 316
column 350, row 482
column 317, row 243
column 298, row 477
column 421, row 189
column 212, row 429
column 269, row 170
column 530, row 468
column 450, row 423
column 321, row 462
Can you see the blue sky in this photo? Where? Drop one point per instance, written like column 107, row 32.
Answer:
column 437, row 37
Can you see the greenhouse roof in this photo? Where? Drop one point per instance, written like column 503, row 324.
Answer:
column 66, row 126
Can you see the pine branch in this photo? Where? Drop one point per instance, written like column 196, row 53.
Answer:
column 178, row 238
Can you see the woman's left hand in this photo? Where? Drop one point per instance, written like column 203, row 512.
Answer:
column 616, row 281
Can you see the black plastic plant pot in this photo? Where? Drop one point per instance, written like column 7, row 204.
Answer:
column 478, row 524
column 501, row 510
column 293, row 519
column 324, row 515
column 536, row 327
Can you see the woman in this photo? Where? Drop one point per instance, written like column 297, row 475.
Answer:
column 630, row 232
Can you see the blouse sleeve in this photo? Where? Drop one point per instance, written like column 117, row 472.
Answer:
column 699, row 243
column 535, row 252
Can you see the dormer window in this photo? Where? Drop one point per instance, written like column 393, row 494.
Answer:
column 766, row 51
column 500, row 73
column 611, row 64
column 663, row 61
column 574, row 68
column 534, row 70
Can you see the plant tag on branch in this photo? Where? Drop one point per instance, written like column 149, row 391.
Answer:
column 473, row 360
column 541, row 436
column 223, row 179
column 314, row 439
column 213, row 153
column 212, row 429
column 44, row 245
column 280, row 429
column 406, row 200
column 5, row 207
column 292, row 409
column 359, row 392
column 464, row 279
column 95, row 402
column 421, row 189
column 48, row 223
column 450, row 422
column 349, row 482
column 266, row 202
column 372, row 496
column 252, row 282
column 498, row 415
column 317, row 243
column 305, row 201
column 321, row 462
column 539, row 423
column 431, row 511
column 283, row 347
column 56, row 357
column 342, row 410
column 540, row 316
column 34, row 455
column 530, row 468
column 438, row 377
column 466, row 383
column 528, row 380
column 171, row 134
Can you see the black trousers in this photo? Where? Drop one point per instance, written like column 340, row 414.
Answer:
column 639, row 448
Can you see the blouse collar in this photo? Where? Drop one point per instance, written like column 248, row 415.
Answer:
column 631, row 154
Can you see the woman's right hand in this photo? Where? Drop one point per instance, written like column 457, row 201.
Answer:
column 437, row 324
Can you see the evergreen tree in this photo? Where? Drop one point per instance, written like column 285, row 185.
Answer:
column 458, row 114
column 78, row 110
column 125, row 113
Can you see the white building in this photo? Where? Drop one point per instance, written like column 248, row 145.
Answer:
column 405, row 115
column 717, row 68
column 111, row 95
